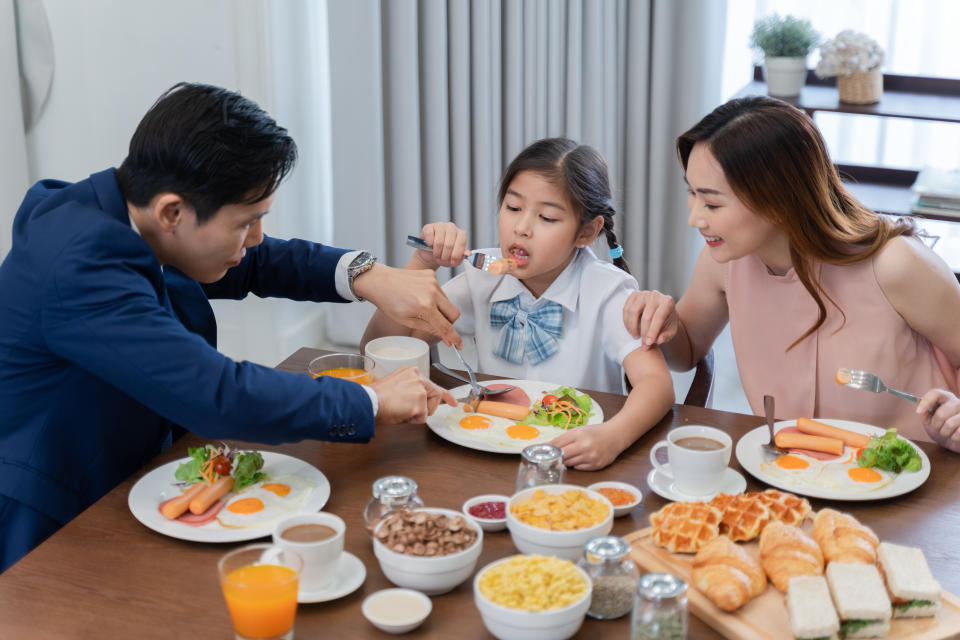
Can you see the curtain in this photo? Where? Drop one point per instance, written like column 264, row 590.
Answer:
column 430, row 101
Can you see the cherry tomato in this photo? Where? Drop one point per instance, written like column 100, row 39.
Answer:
column 549, row 400
column 222, row 465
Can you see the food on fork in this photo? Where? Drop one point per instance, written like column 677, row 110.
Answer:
column 814, row 428
column 913, row 591
column 804, row 441
column 502, row 266
column 786, row 552
column 685, row 527
column 843, row 539
column 744, row 515
column 860, row 598
column 785, row 507
column 811, row 610
column 727, row 574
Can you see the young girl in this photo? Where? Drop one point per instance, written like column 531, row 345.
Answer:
column 558, row 315
column 809, row 279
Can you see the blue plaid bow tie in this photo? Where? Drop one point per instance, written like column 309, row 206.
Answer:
column 543, row 327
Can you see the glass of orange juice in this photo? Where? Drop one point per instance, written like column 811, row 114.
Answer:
column 349, row 366
column 260, row 584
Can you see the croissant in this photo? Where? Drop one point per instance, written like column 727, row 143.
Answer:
column 727, row 574
column 843, row 539
column 786, row 552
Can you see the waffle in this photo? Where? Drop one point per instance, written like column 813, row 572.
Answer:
column 785, row 507
column 684, row 527
column 744, row 515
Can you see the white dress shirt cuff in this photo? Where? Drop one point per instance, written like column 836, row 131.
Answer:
column 374, row 400
column 340, row 277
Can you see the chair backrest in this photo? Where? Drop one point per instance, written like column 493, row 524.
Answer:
column 702, row 385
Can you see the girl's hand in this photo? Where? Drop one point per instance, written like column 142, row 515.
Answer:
column 449, row 245
column 651, row 315
column 589, row 448
column 943, row 424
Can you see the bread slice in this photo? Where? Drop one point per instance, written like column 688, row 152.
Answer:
column 811, row 610
column 860, row 598
column 911, row 585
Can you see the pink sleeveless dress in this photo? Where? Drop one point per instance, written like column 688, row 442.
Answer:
column 769, row 312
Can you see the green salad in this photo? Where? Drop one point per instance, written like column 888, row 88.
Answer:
column 890, row 453
column 563, row 407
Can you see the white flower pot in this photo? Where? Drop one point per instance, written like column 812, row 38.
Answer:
column 784, row 76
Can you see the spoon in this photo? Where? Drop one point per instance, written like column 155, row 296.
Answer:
column 771, row 447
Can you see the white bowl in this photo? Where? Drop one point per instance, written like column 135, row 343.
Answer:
column 563, row 544
column 408, row 623
column 431, row 575
column 621, row 510
column 512, row 624
column 487, row 524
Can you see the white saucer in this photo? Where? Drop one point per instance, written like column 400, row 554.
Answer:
column 350, row 575
column 732, row 482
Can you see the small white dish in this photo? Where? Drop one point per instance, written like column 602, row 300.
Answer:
column 351, row 573
column 623, row 509
column 407, row 619
column 488, row 524
column 732, row 482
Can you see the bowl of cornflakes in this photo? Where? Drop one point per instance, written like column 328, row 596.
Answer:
column 532, row 597
column 430, row 550
column 557, row 519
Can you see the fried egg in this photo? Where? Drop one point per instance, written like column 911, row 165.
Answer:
column 842, row 475
column 264, row 503
column 499, row 431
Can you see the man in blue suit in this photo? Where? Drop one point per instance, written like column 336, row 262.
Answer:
column 107, row 338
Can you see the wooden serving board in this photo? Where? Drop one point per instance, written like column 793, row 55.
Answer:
column 765, row 617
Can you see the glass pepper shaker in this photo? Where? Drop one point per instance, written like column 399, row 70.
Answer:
column 540, row 464
column 660, row 608
column 607, row 561
column 390, row 493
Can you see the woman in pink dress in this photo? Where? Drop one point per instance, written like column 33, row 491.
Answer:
column 809, row 279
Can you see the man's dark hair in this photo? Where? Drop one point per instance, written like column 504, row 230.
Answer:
column 210, row 146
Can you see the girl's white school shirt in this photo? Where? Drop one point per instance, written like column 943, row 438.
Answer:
column 594, row 341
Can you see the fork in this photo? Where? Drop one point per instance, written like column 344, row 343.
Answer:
column 771, row 447
column 870, row 382
column 486, row 390
column 476, row 259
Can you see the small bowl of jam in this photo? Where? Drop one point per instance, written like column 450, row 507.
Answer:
column 488, row 510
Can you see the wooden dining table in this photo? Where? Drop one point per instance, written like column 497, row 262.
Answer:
column 105, row 575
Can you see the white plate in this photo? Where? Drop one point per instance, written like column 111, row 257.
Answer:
column 731, row 482
column 157, row 486
column 351, row 573
column 438, row 423
column 751, row 456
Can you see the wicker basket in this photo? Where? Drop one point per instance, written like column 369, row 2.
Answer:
column 861, row 87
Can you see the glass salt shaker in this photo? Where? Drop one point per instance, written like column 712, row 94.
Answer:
column 540, row 464
column 660, row 608
column 607, row 561
column 390, row 493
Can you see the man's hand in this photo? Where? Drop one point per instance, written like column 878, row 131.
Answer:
column 411, row 297
column 406, row 396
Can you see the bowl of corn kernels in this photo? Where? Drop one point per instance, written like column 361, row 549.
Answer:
column 557, row 519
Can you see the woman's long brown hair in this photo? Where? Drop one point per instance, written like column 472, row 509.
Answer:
column 777, row 164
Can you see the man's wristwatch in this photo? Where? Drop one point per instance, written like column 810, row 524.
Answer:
column 361, row 264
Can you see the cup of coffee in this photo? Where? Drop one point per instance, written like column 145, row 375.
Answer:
column 318, row 539
column 393, row 352
column 698, row 457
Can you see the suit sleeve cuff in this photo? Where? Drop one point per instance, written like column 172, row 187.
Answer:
column 343, row 286
column 374, row 400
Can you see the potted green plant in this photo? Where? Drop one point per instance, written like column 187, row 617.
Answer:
column 786, row 42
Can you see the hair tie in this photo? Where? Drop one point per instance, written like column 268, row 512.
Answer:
column 616, row 252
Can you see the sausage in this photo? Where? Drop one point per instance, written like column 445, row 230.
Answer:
column 814, row 443
column 175, row 507
column 503, row 409
column 815, row 428
column 211, row 493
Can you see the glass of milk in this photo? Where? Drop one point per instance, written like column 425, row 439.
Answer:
column 392, row 352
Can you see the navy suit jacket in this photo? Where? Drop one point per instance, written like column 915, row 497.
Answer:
column 102, row 352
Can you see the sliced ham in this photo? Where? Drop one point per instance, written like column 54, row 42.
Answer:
column 197, row 520
column 517, row 396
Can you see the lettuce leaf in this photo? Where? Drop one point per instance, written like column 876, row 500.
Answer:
column 540, row 416
column 246, row 469
column 890, row 453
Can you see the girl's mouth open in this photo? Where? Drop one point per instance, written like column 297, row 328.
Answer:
column 520, row 255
